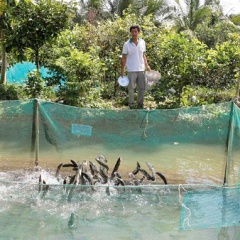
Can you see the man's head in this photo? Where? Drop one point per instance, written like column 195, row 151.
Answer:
column 134, row 30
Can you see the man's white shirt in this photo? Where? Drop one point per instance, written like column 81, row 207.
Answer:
column 135, row 61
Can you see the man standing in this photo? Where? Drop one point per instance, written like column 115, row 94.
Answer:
column 133, row 56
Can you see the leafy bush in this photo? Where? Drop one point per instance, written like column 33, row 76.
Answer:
column 35, row 84
column 9, row 92
column 197, row 96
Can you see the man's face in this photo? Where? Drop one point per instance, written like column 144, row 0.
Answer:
column 134, row 32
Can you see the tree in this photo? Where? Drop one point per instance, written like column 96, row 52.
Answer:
column 34, row 24
column 139, row 7
column 92, row 10
column 189, row 13
column 4, row 5
column 235, row 18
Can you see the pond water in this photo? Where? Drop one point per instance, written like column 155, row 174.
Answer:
column 143, row 212
column 146, row 212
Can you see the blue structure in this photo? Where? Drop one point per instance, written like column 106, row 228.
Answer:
column 18, row 72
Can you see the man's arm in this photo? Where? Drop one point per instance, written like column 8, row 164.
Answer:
column 146, row 63
column 124, row 60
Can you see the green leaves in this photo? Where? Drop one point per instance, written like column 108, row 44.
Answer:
column 33, row 24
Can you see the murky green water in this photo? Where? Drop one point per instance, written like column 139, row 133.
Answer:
column 180, row 163
column 148, row 212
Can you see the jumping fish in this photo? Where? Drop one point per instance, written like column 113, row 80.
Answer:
column 136, row 170
column 40, row 182
column 77, row 179
column 94, row 168
column 66, row 181
column 101, row 156
column 152, row 170
column 103, row 176
column 45, row 188
column 119, row 181
column 115, row 169
column 162, row 177
column 58, row 171
column 84, row 166
column 71, row 220
column 117, row 174
column 89, row 179
column 145, row 173
column 73, row 164
column 103, row 165
column 134, row 180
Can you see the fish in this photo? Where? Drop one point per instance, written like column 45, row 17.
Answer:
column 74, row 163
column 91, row 169
column 145, row 173
column 45, row 188
column 94, row 168
column 71, row 220
column 117, row 174
column 162, row 177
column 40, row 183
column 102, row 164
column 152, row 170
column 67, row 181
column 68, row 165
column 72, row 178
column 101, row 156
column 78, row 176
column 103, row 175
column 58, row 171
column 136, row 170
column 84, row 166
column 134, row 180
column 88, row 177
column 76, row 181
column 115, row 169
column 120, row 181
column 108, row 190
column 141, row 179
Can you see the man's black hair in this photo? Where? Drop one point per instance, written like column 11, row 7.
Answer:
column 135, row 26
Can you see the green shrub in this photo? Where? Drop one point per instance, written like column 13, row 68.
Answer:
column 9, row 92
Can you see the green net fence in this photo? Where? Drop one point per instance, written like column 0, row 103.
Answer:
column 191, row 145
column 210, row 208
column 196, row 149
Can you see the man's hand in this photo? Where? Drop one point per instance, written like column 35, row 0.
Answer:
column 148, row 68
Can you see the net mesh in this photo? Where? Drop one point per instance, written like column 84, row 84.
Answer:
column 192, row 145
column 212, row 208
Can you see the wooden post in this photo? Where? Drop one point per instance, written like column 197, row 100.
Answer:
column 226, row 171
column 35, row 132
column 228, row 143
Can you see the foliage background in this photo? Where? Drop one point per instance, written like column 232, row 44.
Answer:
column 197, row 52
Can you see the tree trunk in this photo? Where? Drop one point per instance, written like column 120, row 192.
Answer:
column 37, row 59
column 4, row 60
